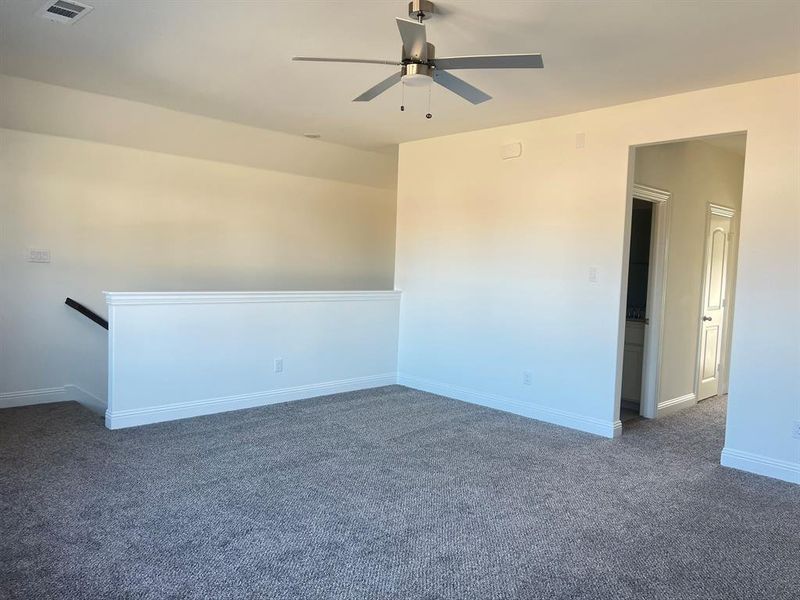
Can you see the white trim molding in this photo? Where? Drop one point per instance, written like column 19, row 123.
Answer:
column 645, row 192
column 722, row 211
column 31, row 397
column 657, row 292
column 656, row 286
column 81, row 396
column 761, row 465
column 66, row 393
column 609, row 428
column 195, row 408
column 142, row 298
column 677, row 403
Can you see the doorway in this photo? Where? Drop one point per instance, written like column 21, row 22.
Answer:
column 636, row 310
column 643, row 301
column 679, row 281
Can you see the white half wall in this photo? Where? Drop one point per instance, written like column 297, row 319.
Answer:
column 119, row 218
column 509, row 266
column 127, row 195
column 178, row 355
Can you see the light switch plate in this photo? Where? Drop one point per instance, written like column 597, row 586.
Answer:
column 38, row 255
column 512, row 150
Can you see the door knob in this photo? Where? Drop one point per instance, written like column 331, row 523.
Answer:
column 707, row 318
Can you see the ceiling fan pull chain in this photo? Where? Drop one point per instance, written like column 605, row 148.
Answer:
column 402, row 96
column 428, row 115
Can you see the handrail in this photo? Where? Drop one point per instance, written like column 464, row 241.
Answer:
column 89, row 314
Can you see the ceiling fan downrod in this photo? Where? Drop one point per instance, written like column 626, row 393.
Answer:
column 420, row 9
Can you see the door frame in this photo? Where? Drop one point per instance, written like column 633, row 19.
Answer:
column 730, row 285
column 656, row 290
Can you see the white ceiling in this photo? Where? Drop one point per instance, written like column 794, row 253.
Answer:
column 230, row 59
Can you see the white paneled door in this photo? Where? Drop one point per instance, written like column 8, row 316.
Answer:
column 714, row 300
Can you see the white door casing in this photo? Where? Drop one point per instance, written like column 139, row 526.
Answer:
column 656, row 288
column 715, row 276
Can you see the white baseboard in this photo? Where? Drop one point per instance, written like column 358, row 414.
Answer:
column 195, row 408
column 30, row 397
column 65, row 393
column 534, row 411
column 761, row 465
column 673, row 404
column 81, row 396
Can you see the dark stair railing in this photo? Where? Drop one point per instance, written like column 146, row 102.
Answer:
column 89, row 314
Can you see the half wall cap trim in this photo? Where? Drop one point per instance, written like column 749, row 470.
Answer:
column 141, row 298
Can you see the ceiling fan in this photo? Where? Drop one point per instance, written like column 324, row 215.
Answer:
column 419, row 65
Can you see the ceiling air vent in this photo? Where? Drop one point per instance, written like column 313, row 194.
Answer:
column 63, row 11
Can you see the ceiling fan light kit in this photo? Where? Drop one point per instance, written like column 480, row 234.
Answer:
column 419, row 66
column 417, row 75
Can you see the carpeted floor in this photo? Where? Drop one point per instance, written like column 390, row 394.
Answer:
column 387, row 493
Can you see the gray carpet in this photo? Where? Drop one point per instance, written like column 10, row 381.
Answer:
column 388, row 493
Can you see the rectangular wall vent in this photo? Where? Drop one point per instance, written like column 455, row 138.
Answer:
column 63, row 11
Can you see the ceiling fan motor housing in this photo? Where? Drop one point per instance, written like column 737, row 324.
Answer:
column 417, row 70
column 427, row 55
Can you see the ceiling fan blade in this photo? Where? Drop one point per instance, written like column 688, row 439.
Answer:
column 491, row 61
column 460, row 87
column 415, row 43
column 379, row 88
column 367, row 61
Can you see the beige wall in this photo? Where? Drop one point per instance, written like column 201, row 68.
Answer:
column 122, row 219
column 494, row 258
column 696, row 173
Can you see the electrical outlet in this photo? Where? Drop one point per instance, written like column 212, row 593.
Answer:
column 593, row 274
column 796, row 430
column 279, row 365
column 527, row 378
